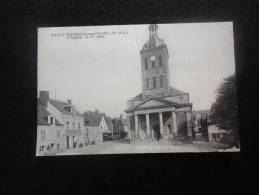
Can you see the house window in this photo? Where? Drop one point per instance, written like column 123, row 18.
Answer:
column 146, row 64
column 42, row 135
column 154, row 82
column 160, row 61
column 161, row 81
column 147, row 83
column 51, row 120
column 79, row 126
column 67, row 124
column 153, row 64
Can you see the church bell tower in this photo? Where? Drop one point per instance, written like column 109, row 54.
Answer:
column 154, row 65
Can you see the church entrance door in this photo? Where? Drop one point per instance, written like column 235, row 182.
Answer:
column 181, row 124
column 169, row 129
column 156, row 132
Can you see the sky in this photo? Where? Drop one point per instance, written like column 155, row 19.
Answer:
column 104, row 72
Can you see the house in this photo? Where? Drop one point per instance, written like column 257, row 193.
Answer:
column 68, row 116
column 197, row 117
column 96, row 125
column 50, row 133
column 119, row 125
column 124, row 121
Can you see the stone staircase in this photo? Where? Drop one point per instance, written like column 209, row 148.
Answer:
column 141, row 137
column 135, row 138
column 145, row 137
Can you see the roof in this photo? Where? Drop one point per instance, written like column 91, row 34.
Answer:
column 109, row 122
column 168, row 102
column 120, row 120
column 172, row 92
column 60, row 106
column 153, row 42
column 175, row 92
column 94, row 119
column 42, row 117
column 215, row 129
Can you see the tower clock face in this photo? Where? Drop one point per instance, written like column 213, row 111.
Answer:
column 152, row 58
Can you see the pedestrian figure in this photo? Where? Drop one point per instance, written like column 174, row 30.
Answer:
column 193, row 132
column 204, row 128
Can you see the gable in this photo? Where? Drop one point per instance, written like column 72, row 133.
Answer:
column 103, row 122
column 153, row 102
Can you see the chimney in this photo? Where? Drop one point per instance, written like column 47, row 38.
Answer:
column 44, row 98
column 69, row 101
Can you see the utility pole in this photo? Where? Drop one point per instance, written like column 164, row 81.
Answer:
column 55, row 95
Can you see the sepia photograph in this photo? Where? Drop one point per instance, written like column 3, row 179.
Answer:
column 143, row 88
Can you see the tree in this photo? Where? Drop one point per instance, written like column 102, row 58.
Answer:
column 224, row 112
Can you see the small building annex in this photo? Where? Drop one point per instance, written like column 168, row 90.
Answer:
column 96, row 124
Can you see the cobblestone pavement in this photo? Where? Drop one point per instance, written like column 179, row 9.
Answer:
column 153, row 147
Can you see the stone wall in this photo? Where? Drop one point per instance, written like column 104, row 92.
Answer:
column 50, row 138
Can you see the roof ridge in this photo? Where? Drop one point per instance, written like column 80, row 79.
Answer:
column 59, row 101
column 156, row 98
column 180, row 91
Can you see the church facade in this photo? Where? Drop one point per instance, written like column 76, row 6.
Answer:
column 160, row 111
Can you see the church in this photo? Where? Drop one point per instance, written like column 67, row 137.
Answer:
column 160, row 112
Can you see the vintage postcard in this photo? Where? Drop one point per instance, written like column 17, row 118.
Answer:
column 153, row 88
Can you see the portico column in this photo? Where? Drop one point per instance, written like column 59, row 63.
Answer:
column 71, row 145
column 174, row 123
column 161, row 123
column 128, row 127
column 136, row 124
column 189, row 125
column 147, row 124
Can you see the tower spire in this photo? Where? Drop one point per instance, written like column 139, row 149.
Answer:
column 154, row 62
column 153, row 30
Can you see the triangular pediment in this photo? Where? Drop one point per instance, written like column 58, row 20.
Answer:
column 154, row 102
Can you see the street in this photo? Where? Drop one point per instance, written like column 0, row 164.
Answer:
column 155, row 147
